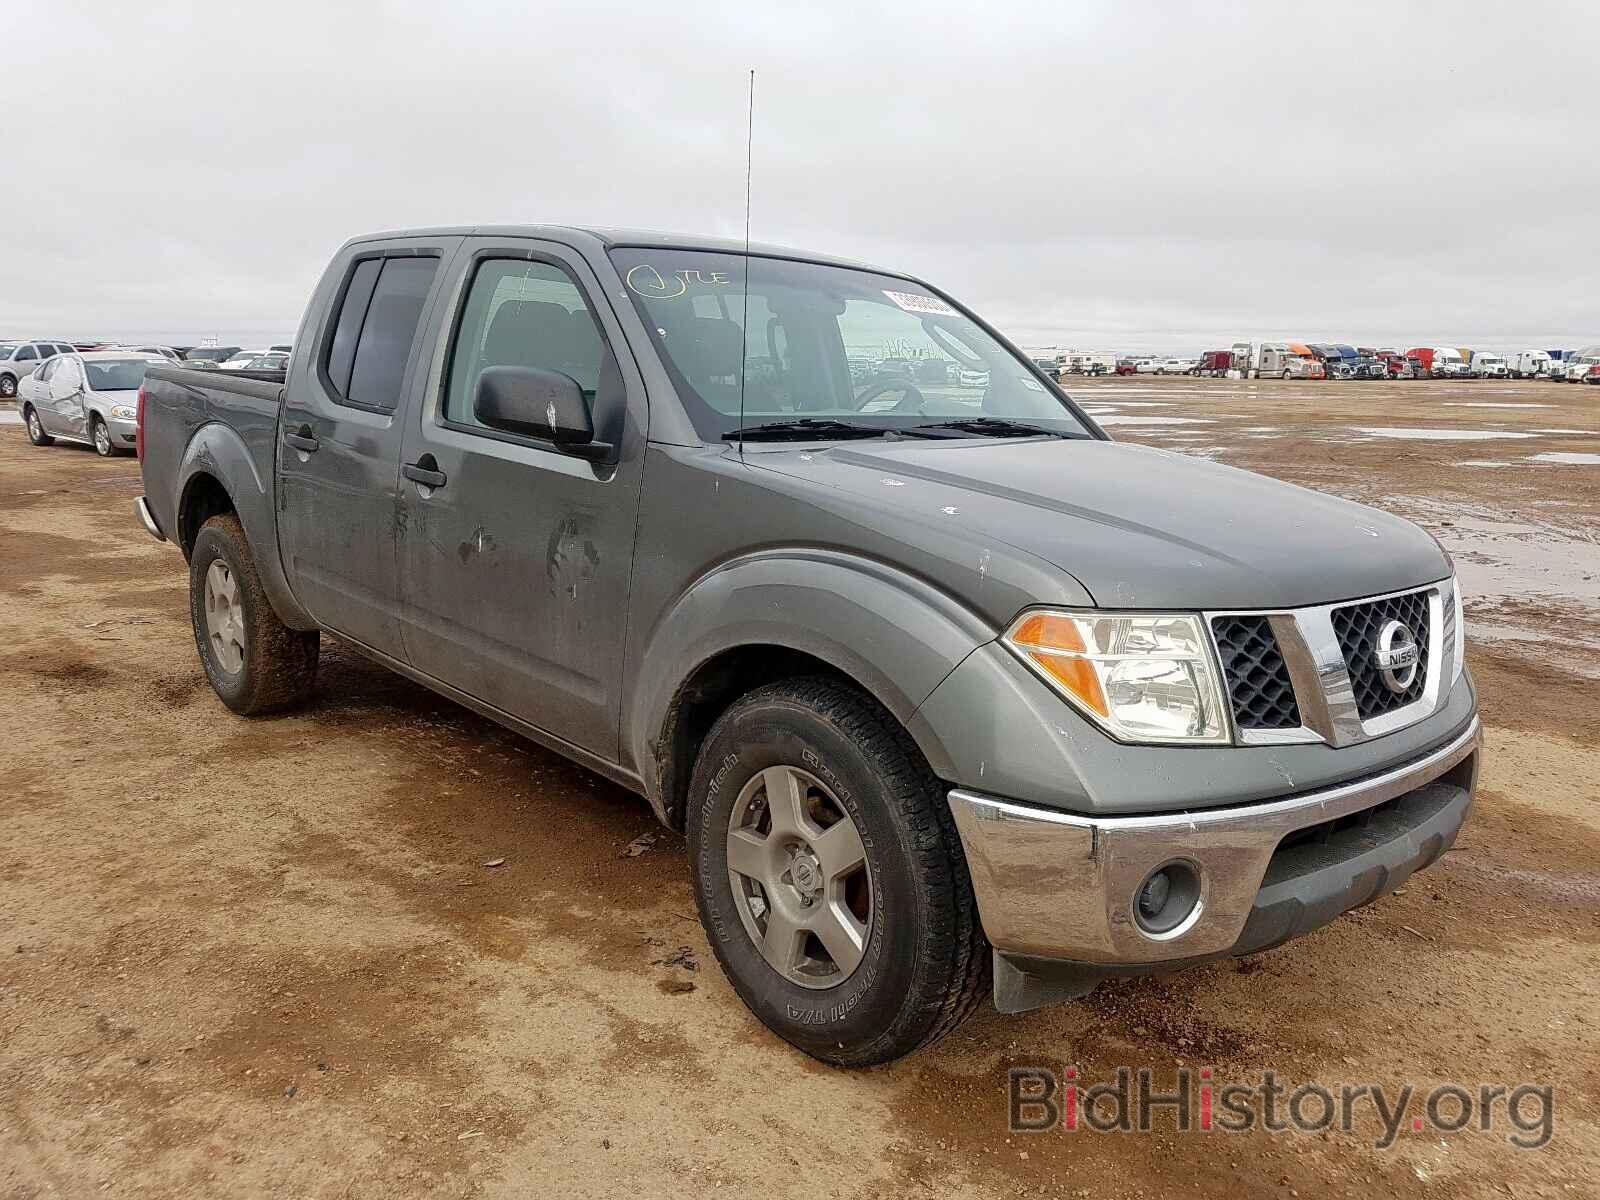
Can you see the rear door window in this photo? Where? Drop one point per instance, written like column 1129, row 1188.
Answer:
column 357, row 295
column 389, row 330
column 27, row 354
column 376, row 328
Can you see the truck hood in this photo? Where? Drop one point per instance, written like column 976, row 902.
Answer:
column 1135, row 526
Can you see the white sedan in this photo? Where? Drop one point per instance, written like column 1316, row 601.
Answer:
column 85, row 398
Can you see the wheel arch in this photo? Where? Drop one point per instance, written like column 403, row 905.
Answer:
column 219, row 474
column 783, row 614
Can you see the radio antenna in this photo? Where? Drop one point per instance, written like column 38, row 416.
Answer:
column 744, row 321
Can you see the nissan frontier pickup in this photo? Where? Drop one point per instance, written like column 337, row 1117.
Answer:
column 952, row 695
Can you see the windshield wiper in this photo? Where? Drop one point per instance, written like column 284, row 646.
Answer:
column 805, row 429
column 996, row 426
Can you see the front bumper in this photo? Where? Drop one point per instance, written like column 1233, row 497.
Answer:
column 1057, row 891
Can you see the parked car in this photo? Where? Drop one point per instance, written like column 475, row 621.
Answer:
column 1177, row 711
column 162, row 351
column 212, row 354
column 1049, row 367
column 1175, row 366
column 972, row 379
column 89, row 398
column 1592, row 375
column 20, row 359
column 1149, row 366
column 1126, row 366
column 1489, row 366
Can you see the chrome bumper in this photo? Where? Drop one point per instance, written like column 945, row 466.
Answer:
column 1058, row 886
column 147, row 520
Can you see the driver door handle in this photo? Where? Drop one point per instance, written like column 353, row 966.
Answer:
column 304, row 438
column 424, row 471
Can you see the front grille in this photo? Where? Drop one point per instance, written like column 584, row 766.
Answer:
column 1357, row 627
column 1258, row 679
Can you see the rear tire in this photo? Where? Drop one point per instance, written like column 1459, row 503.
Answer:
column 36, row 433
column 254, row 662
column 919, row 964
column 8, row 387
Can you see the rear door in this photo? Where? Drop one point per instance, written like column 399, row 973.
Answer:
column 340, row 436
column 33, row 389
column 516, row 566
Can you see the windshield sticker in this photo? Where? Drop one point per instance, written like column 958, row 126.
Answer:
column 648, row 282
column 914, row 303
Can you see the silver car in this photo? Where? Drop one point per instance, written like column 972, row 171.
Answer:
column 86, row 398
column 18, row 360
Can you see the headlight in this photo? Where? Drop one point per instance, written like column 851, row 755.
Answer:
column 1460, row 657
column 123, row 412
column 1141, row 678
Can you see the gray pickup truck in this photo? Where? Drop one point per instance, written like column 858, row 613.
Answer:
column 948, row 690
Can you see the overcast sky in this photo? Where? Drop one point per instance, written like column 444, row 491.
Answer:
column 1101, row 175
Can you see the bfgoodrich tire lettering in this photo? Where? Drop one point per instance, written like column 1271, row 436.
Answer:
column 278, row 665
column 924, row 964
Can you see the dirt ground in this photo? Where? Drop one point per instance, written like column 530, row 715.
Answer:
column 268, row 957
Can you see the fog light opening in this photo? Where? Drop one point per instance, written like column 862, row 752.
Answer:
column 1167, row 898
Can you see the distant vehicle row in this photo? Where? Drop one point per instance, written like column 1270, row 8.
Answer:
column 1298, row 360
column 19, row 359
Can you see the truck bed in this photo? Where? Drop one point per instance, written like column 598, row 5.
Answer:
column 230, row 415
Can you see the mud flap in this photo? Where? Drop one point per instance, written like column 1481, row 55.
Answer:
column 1015, row 990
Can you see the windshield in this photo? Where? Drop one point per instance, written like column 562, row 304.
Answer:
column 824, row 343
column 115, row 375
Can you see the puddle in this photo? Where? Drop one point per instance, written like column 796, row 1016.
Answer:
column 1581, row 432
column 1501, row 556
column 1483, row 462
column 1119, row 419
column 1438, row 435
column 1572, row 458
column 10, row 418
column 1491, row 404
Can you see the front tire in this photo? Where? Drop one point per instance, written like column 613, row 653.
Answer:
column 829, row 876
column 254, row 662
column 100, row 434
column 36, row 433
column 8, row 387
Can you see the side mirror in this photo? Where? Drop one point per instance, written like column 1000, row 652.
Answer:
column 538, row 403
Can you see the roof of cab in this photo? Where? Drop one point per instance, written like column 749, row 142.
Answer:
column 587, row 238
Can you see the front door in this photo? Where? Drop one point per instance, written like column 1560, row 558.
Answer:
column 341, row 433
column 516, row 559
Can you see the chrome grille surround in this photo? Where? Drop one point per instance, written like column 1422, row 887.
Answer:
column 1316, row 663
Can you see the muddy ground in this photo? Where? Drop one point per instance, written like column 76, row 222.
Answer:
column 257, row 958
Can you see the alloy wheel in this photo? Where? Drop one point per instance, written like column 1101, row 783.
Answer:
column 800, row 877
column 224, row 617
